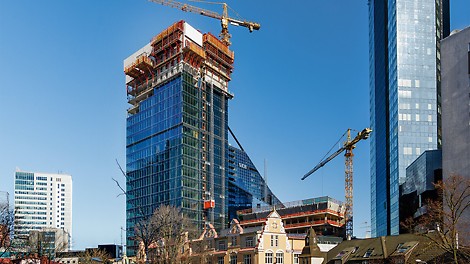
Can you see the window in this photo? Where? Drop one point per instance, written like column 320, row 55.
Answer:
column 246, row 259
column 407, row 151
column 249, row 242
column 296, row 259
column 274, row 240
column 268, row 258
column 233, row 259
column 368, row 253
column 221, row 245
column 418, row 151
column 279, row 257
column 220, row 260
column 234, row 241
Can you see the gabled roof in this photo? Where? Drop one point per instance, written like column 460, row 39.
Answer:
column 406, row 246
column 274, row 214
column 208, row 232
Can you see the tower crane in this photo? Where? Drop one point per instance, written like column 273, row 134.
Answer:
column 224, row 18
column 348, row 147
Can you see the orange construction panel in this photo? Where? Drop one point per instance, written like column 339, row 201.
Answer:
column 209, row 204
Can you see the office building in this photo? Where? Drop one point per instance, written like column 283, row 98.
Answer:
column 246, row 187
column 42, row 200
column 456, row 103
column 404, row 45
column 418, row 187
column 49, row 241
column 456, row 107
column 177, row 127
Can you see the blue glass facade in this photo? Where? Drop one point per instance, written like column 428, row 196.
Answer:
column 246, row 187
column 405, row 96
column 165, row 164
column 379, row 147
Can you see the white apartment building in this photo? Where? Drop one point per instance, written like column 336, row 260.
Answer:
column 42, row 200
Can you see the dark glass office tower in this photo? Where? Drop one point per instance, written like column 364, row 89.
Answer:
column 246, row 186
column 404, row 45
column 177, row 130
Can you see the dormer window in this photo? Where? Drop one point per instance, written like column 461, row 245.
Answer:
column 368, row 252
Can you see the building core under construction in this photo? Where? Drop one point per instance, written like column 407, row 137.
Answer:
column 177, row 127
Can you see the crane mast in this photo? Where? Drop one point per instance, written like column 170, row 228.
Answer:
column 225, row 20
column 348, row 147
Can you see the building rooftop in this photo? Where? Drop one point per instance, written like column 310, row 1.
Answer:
column 306, row 205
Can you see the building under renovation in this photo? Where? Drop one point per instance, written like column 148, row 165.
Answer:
column 176, row 149
column 324, row 214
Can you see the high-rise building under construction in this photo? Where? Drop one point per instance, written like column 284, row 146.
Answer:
column 177, row 127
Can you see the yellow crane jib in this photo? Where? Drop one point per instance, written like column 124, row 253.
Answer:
column 224, row 18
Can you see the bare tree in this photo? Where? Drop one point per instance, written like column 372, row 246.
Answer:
column 6, row 228
column 172, row 230
column 94, row 256
column 446, row 221
column 163, row 235
column 146, row 234
column 201, row 251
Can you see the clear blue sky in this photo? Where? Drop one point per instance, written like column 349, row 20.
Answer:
column 299, row 83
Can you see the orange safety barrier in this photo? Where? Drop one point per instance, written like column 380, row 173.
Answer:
column 176, row 26
column 196, row 49
column 214, row 41
column 140, row 66
column 296, row 214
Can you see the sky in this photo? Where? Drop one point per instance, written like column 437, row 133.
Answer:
column 299, row 83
